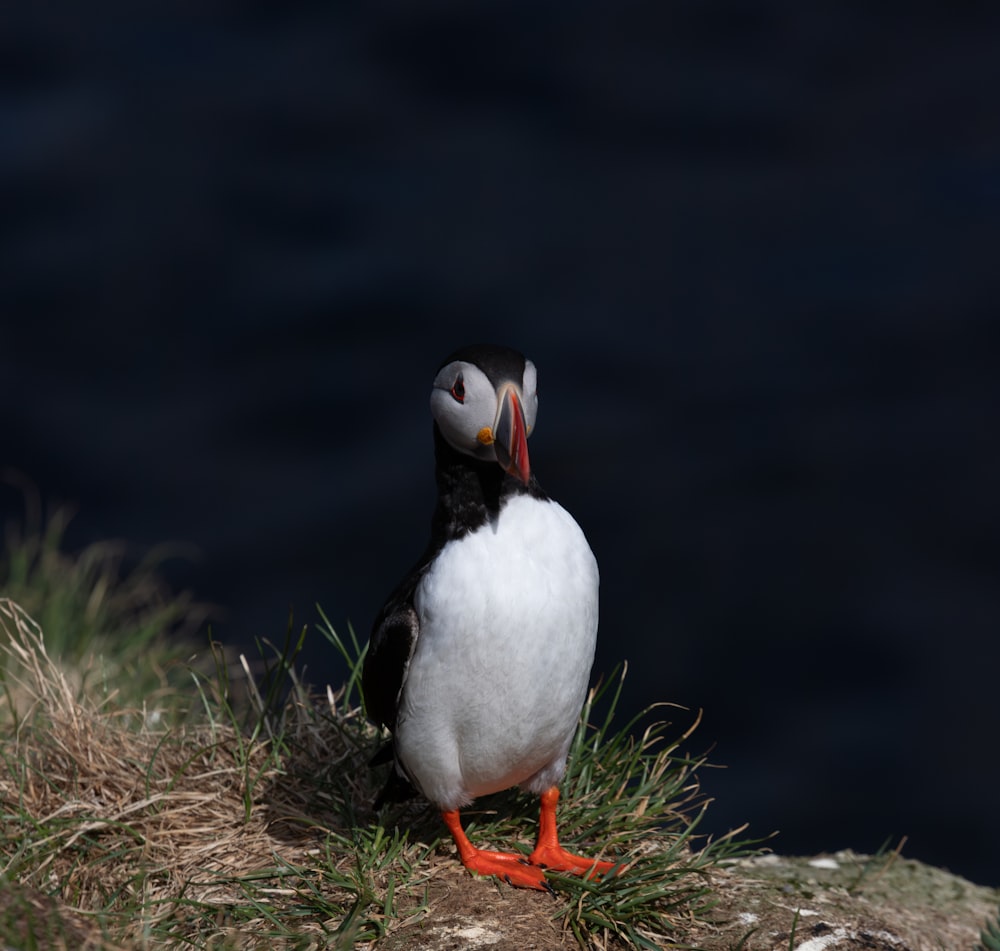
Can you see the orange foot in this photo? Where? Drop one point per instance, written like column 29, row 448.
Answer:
column 558, row 859
column 512, row 868
column 550, row 854
column 515, row 869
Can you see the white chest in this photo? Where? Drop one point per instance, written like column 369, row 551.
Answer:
column 508, row 625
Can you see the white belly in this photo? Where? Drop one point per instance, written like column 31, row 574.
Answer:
column 508, row 625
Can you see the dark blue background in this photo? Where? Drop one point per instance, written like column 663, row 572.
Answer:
column 753, row 252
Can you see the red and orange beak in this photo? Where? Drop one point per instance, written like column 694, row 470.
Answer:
column 510, row 434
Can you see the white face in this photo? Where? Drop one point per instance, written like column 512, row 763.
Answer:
column 465, row 406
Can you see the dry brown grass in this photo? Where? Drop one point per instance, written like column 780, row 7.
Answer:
column 109, row 815
column 166, row 823
column 129, row 825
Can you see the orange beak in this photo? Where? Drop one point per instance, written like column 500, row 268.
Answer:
column 511, row 435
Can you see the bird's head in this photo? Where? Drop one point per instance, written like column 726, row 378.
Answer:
column 484, row 401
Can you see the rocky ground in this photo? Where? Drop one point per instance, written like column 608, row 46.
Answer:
column 839, row 902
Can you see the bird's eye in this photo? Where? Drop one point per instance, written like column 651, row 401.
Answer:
column 458, row 389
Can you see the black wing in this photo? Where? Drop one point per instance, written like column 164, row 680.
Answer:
column 393, row 638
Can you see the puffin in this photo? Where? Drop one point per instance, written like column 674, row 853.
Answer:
column 479, row 662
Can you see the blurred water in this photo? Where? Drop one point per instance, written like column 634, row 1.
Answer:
column 753, row 254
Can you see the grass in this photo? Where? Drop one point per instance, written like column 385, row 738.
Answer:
column 873, row 867
column 100, row 609
column 989, row 937
column 228, row 810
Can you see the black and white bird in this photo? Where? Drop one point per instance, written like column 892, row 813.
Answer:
column 479, row 662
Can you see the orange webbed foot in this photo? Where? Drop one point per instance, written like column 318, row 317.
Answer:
column 511, row 868
column 515, row 869
column 550, row 854
column 558, row 859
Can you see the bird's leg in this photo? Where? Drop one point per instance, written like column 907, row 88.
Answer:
column 550, row 854
column 512, row 868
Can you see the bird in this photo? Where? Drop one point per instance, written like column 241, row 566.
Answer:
column 479, row 662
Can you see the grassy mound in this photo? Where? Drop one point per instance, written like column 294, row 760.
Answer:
column 149, row 802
